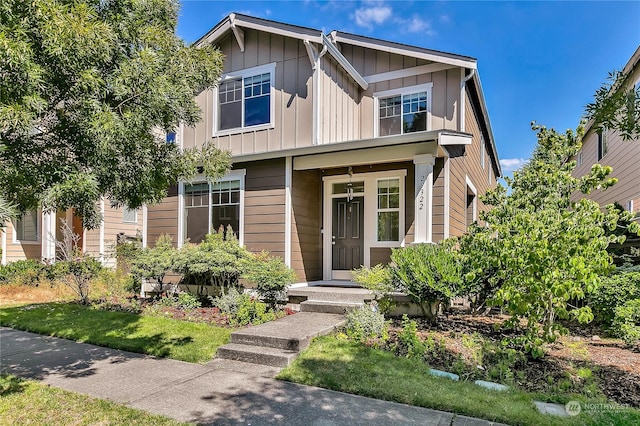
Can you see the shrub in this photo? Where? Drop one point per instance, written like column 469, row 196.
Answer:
column 626, row 322
column 218, row 261
column 614, row 291
column 229, row 302
column 365, row 324
column 378, row 281
column 187, row 301
column 78, row 273
column 429, row 274
column 242, row 309
column 22, row 272
column 270, row 275
column 126, row 252
column 154, row 263
column 410, row 343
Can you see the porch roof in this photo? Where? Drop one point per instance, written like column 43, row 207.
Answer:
column 392, row 148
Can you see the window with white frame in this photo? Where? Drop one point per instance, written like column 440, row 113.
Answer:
column 209, row 207
column 482, row 150
column 26, row 227
column 403, row 111
column 170, row 137
column 579, row 158
column 129, row 215
column 388, row 214
column 245, row 99
column 630, row 206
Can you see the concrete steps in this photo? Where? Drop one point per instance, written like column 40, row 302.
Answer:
column 329, row 307
column 277, row 343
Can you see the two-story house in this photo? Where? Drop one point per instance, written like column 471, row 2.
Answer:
column 608, row 148
column 343, row 147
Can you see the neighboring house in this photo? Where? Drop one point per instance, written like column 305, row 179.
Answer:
column 343, row 147
column 608, row 148
column 34, row 235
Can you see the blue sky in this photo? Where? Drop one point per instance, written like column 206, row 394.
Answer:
column 538, row 61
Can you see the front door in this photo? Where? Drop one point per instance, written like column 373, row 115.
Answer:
column 347, row 235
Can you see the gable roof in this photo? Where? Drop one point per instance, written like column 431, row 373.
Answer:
column 235, row 22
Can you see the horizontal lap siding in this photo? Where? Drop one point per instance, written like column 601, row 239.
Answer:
column 163, row 219
column 438, row 200
column 306, row 240
column 264, row 206
column 20, row 251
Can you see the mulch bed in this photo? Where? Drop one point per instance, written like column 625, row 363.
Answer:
column 615, row 368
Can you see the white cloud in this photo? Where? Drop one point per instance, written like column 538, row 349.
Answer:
column 512, row 164
column 369, row 16
column 445, row 19
column 415, row 24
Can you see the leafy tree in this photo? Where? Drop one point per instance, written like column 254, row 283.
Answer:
column 547, row 250
column 616, row 105
column 429, row 274
column 87, row 90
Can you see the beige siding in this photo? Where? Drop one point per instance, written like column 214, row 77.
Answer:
column 163, row 219
column 293, row 95
column 339, row 111
column 18, row 250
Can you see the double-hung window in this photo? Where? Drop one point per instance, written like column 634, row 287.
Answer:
column 27, row 228
column 388, row 216
column 245, row 100
column 208, row 207
column 404, row 110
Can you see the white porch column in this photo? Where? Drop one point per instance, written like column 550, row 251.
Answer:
column 48, row 238
column 423, row 198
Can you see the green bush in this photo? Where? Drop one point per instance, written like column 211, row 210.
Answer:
column 626, row 322
column 270, row 275
column 410, row 343
column 614, row 291
column 365, row 324
column 184, row 301
column 154, row 263
column 218, row 261
column 378, row 281
column 23, row 272
column 430, row 274
column 242, row 309
column 78, row 273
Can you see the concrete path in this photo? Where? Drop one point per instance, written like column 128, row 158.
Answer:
column 222, row 392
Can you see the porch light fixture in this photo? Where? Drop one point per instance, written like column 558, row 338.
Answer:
column 350, row 186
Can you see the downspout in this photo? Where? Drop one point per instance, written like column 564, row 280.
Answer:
column 463, row 83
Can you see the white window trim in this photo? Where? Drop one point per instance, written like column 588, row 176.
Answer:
column 630, row 206
column 135, row 215
column 579, row 158
column 262, row 69
column 401, row 91
column 238, row 175
column 401, row 212
column 482, row 151
column 38, row 239
column 472, row 187
column 370, row 214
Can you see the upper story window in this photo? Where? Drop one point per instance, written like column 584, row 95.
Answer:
column 170, row 137
column 129, row 215
column 404, row 110
column 27, row 227
column 579, row 158
column 602, row 143
column 245, row 100
column 482, row 150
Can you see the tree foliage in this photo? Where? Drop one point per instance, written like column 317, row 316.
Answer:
column 542, row 249
column 87, row 90
column 616, row 105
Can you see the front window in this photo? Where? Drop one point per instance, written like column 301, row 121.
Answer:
column 26, row 228
column 388, row 215
column 245, row 100
column 405, row 111
column 211, row 206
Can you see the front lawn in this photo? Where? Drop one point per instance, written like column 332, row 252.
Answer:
column 152, row 335
column 351, row 367
column 28, row 402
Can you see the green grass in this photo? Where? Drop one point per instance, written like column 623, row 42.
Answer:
column 163, row 337
column 26, row 402
column 350, row 367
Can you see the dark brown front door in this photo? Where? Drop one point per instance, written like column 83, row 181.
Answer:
column 347, row 236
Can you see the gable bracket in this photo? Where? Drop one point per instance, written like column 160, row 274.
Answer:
column 313, row 53
column 237, row 32
column 333, row 51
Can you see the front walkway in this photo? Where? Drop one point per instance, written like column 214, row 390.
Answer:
column 220, row 392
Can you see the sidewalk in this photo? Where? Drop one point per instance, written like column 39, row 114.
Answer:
column 221, row 392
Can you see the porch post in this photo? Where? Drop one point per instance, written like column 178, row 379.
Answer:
column 423, row 197
column 48, row 239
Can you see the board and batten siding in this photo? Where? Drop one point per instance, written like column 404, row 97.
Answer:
column 293, row 96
